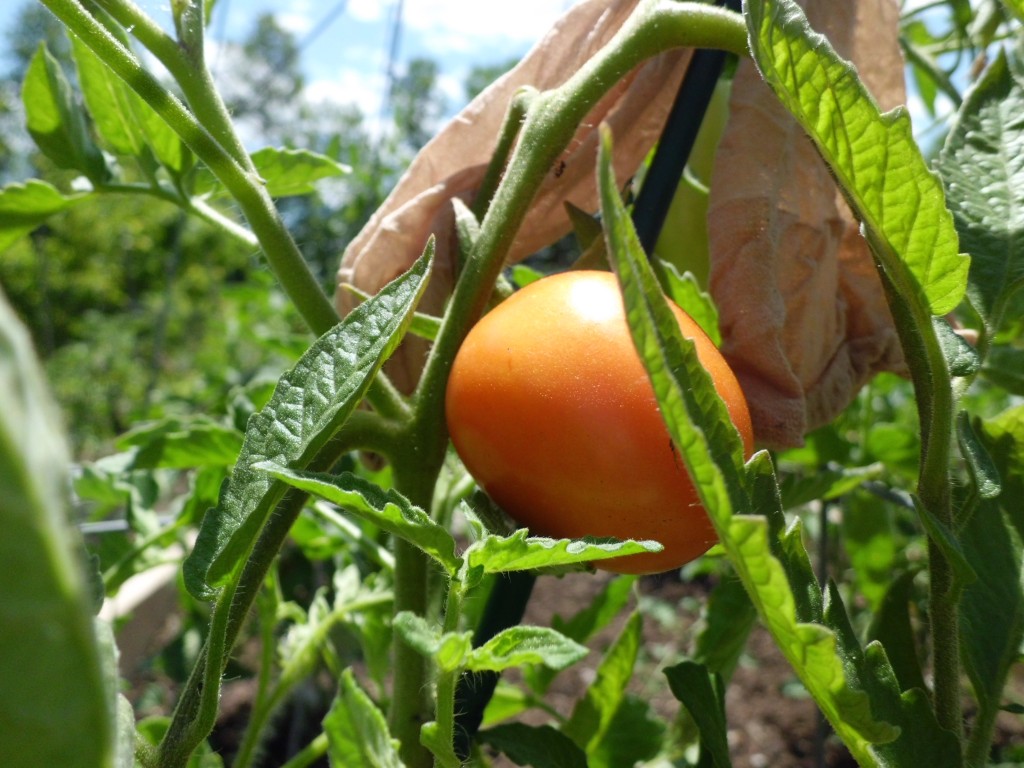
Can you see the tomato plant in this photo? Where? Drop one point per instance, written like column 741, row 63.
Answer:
column 384, row 604
column 550, row 408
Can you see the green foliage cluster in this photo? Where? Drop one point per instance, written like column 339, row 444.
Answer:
column 319, row 516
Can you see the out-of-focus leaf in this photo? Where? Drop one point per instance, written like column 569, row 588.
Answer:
column 592, row 717
column 982, row 167
column 55, row 705
column 1003, row 435
column 636, row 735
column 310, row 403
column 729, row 617
column 23, row 207
column 983, row 472
column 873, row 155
column 58, row 124
column 825, row 484
column 172, row 444
column 602, row 609
column 539, row 746
column 992, row 608
column 1004, row 366
column 872, row 545
column 891, row 626
column 1016, row 7
column 284, row 172
column 357, row 733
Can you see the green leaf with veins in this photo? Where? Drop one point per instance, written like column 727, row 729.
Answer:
column 58, row 124
column 284, row 172
column 23, row 207
column 982, row 167
column 310, row 404
column 873, row 155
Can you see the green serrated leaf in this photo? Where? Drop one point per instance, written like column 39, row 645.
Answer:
column 386, row 509
column 519, row 646
column 685, row 290
column 357, row 733
column 540, row 746
column 310, row 403
column 710, row 447
column 981, row 168
column 55, row 705
column 58, row 124
column 522, row 552
column 23, row 207
column 701, row 693
column 873, row 155
column 449, row 651
column 284, row 172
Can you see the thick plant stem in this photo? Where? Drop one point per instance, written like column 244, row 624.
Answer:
column 945, row 631
column 935, row 405
column 410, row 699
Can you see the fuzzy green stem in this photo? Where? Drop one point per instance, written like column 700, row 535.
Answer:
column 935, row 405
column 447, row 682
column 409, row 699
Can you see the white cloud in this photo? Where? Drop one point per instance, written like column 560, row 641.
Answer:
column 468, row 24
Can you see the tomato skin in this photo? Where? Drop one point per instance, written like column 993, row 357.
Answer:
column 551, row 411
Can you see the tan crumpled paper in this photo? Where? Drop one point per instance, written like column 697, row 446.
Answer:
column 803, row 317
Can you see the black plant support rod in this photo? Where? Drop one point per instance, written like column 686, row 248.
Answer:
column 511, row 592
column 677, row 139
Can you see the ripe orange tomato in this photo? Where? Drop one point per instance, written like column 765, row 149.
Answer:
column 551, row 410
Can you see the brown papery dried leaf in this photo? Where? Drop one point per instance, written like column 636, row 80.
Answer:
column 803, row 315
column 452, row 164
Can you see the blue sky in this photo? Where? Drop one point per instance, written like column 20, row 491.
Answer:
column 346, row 58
